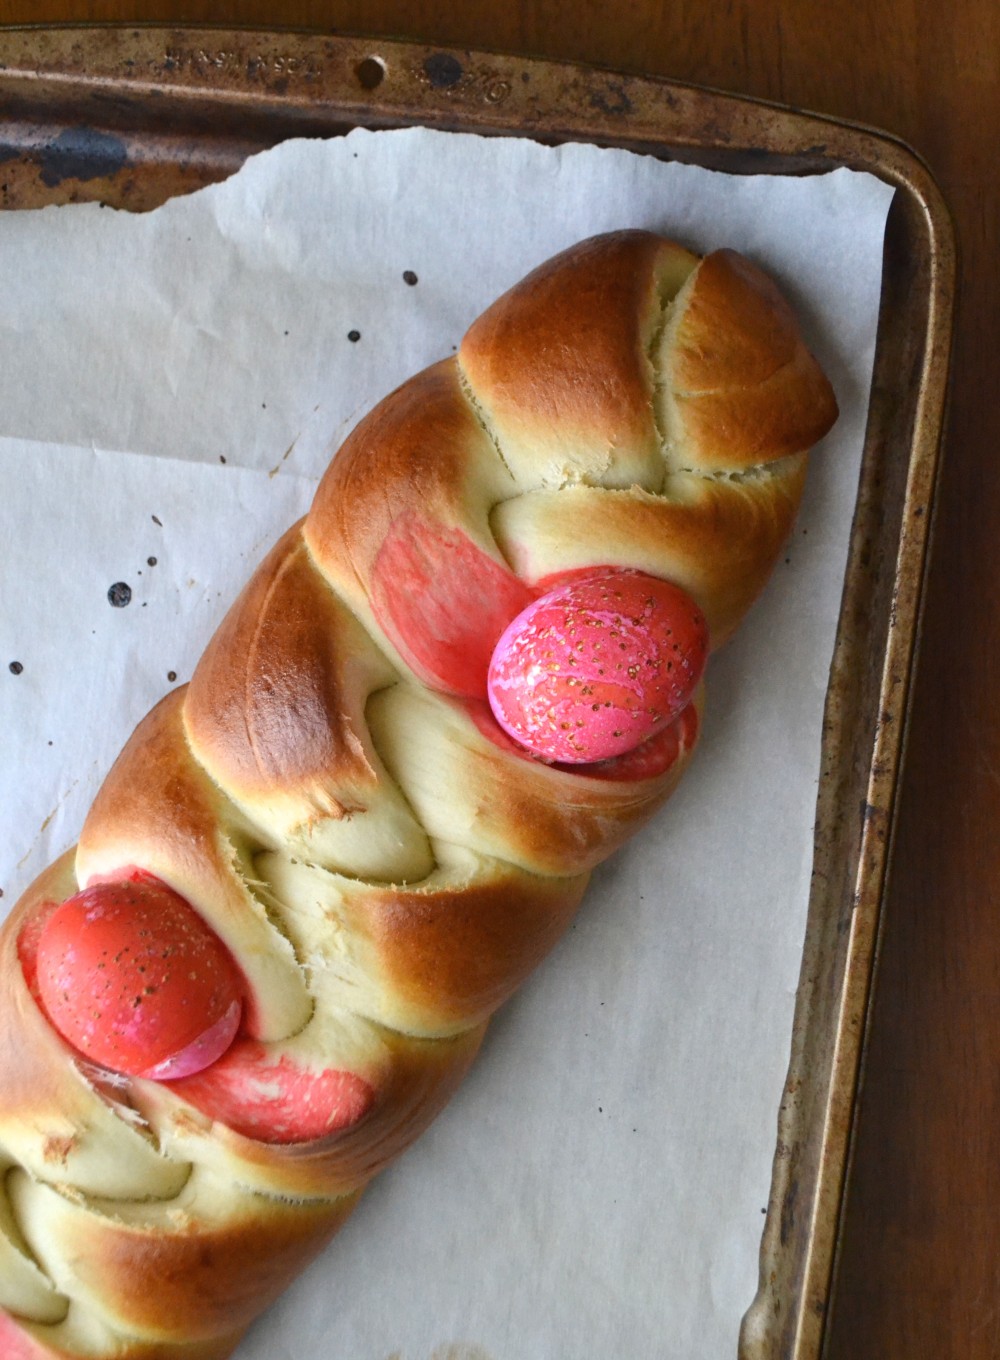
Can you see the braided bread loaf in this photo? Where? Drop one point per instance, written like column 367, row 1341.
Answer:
column 332, row 796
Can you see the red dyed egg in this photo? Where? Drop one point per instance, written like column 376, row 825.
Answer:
column 134, row 979
column 598, row 665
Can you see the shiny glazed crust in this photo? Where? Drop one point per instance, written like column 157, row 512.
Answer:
column 332, row 796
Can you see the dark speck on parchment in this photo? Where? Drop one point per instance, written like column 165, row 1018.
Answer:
column 119, row 594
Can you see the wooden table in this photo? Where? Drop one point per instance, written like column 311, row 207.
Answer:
column 920, row 1268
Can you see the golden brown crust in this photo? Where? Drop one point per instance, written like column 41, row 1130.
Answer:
column 418, row 471
column 741, row 388
column 332, row 795
column 460, row 954
column 271, row 705
column 275, row 714
column 421, row 447
column 560, row 364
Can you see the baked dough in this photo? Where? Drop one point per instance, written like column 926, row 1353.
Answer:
column 333, row 797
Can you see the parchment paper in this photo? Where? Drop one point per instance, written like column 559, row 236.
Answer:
column 170, row 388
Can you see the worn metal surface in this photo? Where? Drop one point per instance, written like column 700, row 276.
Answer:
column 131, row 116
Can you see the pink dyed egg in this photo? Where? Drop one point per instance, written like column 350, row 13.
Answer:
column 134, row 979
column 597, row 665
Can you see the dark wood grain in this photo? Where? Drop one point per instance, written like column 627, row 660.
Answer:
column 919, row 1273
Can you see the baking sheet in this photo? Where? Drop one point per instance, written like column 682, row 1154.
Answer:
column 597, row 1186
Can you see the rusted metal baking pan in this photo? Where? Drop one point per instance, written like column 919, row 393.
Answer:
column 132, row 116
